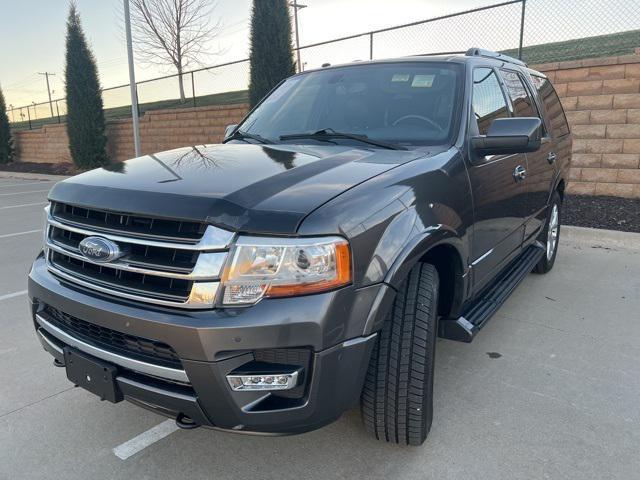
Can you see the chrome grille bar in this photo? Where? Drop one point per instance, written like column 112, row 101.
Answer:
column 208, row 265
column 214, row 238
column 126, row 362
column 202, row 294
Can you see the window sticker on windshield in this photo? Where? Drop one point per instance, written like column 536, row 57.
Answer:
column 400, row 77
column 423, row 81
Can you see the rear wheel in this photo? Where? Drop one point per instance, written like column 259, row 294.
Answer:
column 550, row 235
column 397, row 398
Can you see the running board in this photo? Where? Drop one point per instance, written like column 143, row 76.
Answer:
column 465, row 328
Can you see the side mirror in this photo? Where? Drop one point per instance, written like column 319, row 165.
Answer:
column 229, row 130
column 509, row 135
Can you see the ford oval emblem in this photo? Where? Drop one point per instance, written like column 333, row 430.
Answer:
column 98, row 249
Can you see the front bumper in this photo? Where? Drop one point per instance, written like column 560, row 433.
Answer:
column 211, row 344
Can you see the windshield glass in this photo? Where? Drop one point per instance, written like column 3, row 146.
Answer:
column 409, row 103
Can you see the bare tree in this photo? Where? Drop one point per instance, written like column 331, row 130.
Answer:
column 173, row 32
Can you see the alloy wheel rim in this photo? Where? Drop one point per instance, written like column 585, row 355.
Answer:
column 552, row 232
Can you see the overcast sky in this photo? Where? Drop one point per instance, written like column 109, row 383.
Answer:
column 32, row 33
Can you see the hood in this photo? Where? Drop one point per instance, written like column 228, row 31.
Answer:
column 242, row 187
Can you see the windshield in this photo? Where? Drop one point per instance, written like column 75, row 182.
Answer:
column 409, row 103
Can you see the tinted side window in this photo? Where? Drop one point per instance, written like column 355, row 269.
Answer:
column 522, row 102
column 552, row 105
column 488, row 100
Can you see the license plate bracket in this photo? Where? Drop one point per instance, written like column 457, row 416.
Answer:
column 92, row 374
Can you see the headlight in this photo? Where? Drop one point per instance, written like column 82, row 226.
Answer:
column 277, row 267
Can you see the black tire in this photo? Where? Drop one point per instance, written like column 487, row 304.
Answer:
column 546, row 262
column 397, row 398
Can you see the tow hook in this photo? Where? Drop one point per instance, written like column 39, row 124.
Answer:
column 185, row 422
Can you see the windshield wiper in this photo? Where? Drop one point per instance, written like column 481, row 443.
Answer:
column 240, row 135
column 328, row 133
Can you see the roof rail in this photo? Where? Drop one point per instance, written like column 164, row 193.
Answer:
column 480, row 52
column 435, row 54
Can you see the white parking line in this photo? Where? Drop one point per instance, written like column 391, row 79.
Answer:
column 7, row 235
column 22, row 193
column 24, row 205
column 145, row 439
column 24, row 184
column 12, row 295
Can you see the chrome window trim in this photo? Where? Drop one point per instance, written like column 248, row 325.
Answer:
column 126, row 362
column 214, row 238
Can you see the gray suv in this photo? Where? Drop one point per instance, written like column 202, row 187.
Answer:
column 308, row 263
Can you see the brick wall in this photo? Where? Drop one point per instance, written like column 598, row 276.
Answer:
column 48, row 144
column 601, row 98
column 167, row 129
column 159, row 130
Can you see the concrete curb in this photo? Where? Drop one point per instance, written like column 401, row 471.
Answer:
column 32, row 176
column 598, row 238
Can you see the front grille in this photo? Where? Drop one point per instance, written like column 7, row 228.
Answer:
column 167, row 262
column 134, row 283
column 131, row 346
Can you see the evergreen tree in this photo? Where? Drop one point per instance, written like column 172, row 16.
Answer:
column 6, row 142
column 271, row 55
column 85, row 117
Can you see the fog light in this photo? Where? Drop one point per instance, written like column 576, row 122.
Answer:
column 278, row 381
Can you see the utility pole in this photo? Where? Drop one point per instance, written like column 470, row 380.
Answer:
column 132, row 81
column 297, row 6
column 46, row 74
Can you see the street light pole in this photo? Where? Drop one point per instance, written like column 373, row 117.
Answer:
column 132, row 81
column 46, row 74
column 297, row 6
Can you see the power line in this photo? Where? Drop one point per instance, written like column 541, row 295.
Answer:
column 29, row 79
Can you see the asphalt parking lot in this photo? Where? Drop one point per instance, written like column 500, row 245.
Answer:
column 549, row 389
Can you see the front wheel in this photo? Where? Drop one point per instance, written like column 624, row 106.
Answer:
column 550, row 235
column 397, row 398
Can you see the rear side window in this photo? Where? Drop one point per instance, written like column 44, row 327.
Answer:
column 520, row 98
column 488, row 100
column 552, row 105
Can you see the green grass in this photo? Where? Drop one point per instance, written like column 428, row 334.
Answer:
column 226, row 98
column 623, row 43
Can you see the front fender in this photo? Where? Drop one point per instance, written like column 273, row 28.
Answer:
column 415, row 249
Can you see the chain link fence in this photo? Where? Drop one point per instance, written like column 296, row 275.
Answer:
column 494, row 27
column 538, row 31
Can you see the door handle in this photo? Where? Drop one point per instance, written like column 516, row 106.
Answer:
column 519, row 174
column 551, row 158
